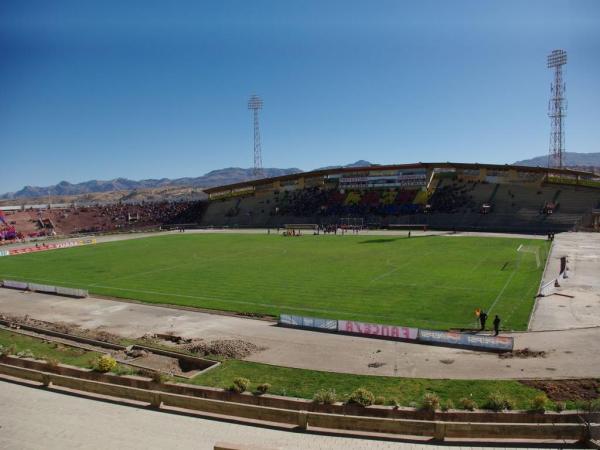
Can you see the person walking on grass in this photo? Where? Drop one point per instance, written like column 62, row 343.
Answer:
column 496, row 325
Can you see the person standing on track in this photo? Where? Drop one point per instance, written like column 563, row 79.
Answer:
column 496, row 325
column 482, row 320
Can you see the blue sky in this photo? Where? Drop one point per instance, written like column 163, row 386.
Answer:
column 143, row 89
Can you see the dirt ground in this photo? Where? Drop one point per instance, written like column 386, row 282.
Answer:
column 562, row 390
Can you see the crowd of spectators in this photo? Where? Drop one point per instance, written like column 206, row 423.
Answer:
column 125, row 216
column 316, row 201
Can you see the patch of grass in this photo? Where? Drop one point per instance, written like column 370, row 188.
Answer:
column 430, row 282
column 48, row 350
column 406, row 391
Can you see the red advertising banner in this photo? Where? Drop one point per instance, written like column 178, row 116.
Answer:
column 373, row 329
column 51, row 246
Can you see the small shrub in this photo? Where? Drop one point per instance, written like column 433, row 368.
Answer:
column 362, row 397
column 7, row 350
column 498, row 402
column 467, row 403
column 448, row 404
column 560, row 406
column 121, row 370
column 539, row 403
column 379, row 400
column 25, row 354
column 325, row 397
column 392, row 402
column 430, row 402
column 263, row 388
column 240, row 384
column 105, row 363
column 52, row 362
column 158, row 377
column 589, row 406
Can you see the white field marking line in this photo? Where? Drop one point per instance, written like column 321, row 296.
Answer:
column 394, row 268
column 520, row 258
column 479, row 263
column 389, row 272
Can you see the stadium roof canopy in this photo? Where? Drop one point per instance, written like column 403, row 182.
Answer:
column 419, row 165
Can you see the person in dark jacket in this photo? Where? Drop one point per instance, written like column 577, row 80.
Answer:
column 496, row 325
column 482, row 319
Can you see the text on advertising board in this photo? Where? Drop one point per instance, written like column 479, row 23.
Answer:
column 373, row 329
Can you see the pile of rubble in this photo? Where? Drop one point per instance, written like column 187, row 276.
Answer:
column 226, row 348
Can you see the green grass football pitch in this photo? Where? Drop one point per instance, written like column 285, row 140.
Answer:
column 434, row 281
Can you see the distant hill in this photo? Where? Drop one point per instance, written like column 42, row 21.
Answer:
column 572, row 159
column 359, row 163
column 213, row 178
column 210, row 179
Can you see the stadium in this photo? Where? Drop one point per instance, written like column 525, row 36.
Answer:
column 160, row 297
column 326, row 285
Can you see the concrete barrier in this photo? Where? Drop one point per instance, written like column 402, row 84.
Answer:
column 45, row 288
column 304, row 419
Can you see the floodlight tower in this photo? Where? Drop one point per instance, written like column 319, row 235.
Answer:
column 255, row 104
column 557, row 109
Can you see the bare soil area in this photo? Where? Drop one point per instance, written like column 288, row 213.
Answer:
column 561, row 390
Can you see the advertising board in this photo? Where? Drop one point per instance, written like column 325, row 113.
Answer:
column 466, row 340
column 373, row 329
column 308, row 322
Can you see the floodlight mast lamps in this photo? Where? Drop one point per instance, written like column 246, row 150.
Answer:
column 255, row 104
column 557, row 109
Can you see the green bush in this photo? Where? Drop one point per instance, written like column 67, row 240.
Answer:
column 392, row 402
column 158, row 377
column 467, row 403
column 448, row 404
column 362, row 397
column 430, row 402
column 560, row 406
column 7, row 350
column 240, row 384
column 498, row 402
column 325, row 397
column 379, row 400
column 263, row 388
column 589, row 406
column 104, row 363
column 539, row 403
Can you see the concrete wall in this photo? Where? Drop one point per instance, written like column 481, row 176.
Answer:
column 305, row 419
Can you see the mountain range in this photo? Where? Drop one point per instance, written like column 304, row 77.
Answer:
column 235, row 175
column 214, row 178
column 571, row 159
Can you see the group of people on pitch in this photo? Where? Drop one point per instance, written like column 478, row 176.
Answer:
column 483, row 319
